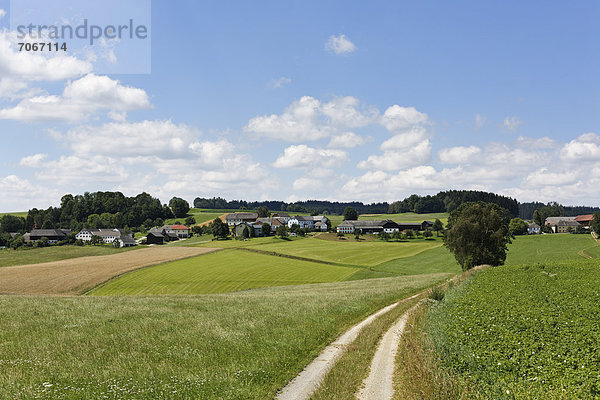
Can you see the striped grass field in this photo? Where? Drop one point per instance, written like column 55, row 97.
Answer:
column 243, row 345
column 223, row 271
column 351, row 253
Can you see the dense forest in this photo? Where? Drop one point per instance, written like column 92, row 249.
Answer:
column 312, row 206
column 526, row 210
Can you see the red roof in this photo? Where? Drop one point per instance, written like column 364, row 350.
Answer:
column 587, row 217
column 179, row 227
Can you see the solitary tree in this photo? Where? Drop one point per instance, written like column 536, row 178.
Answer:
column 263, row 212
column 595, row 224
column 350, row 214
column 197, row 230
column 218, row 228
column 517, row 226
column 478, row 234
column 265, row 229
column 179, row 206
column 281, row 231
column 189, row 221
column 438, row 226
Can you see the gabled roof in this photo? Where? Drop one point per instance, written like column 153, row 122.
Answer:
column 567, row 223
column 242, row 215
column 584, row 218
column 178, row 227
column 555, row 220
column 49, row 232
column 282, row 215
column 304, row 218
column 156, row 234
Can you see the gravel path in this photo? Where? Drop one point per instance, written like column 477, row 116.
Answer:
column 379, row 384
column 309, row 380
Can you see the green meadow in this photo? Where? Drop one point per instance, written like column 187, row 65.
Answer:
column 243, row 345
column 549, row 248
column 223, row 271
column 368, row 253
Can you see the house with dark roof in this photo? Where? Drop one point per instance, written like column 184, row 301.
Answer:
column 533, row 229
column 155, row 237
column 366, row 227
column 239, row 217
column 53, row 235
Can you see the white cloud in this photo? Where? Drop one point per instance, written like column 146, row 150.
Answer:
column 346, row 112
column 340, row 45
column 37, row 66
column 346, row 140
column 20, row 194
column 544, row 177
column 280, row 82
column 539, row 143
column 33, row 161
column 309, row 119
column 458, row 154
column 395, row 159
column 307, row 184
column 2, row 13
column 480, row 121
column 512, row 123
column 399, row 119
column 162, row 139
column 407, row 140
column 79, row 101
column 304, row 156
column 584, row 148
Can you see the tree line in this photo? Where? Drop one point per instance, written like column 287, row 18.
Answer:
column 98, row 210
column 315, row 207
column 448, row 201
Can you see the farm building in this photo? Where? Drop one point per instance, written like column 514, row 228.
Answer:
column 584, row 220
column 237, row 218
column 238, row 230
column 181, row 231
column 309, row 222
column 562, row 224
column 109, row 236
column 53, row 235
column 533, row 229
column 388, row 226
column 155, row 237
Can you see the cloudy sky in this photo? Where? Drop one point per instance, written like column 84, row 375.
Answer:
column 338, row 100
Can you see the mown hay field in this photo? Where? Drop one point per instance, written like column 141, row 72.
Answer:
column 223, row 271
column 77, row 275
column 11, row 257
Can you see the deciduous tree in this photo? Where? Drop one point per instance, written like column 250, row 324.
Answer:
column 478, row 234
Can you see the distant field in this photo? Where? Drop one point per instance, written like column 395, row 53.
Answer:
column 354, row 253
column 549, row 248
column 75, row 276
column 524, row 331
column 55, row 253
column 224, row 271
column 243, row 345
column 16, row 214
column 407, row 217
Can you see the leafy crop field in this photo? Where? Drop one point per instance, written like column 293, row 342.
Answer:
column 223, row 271
column 524, row 331
column 55, row 253
column 352, row 253
column 243, row 345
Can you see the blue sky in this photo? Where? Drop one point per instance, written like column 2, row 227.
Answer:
column 305, row 100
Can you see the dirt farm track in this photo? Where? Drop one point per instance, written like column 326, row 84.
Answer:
column 77, row 275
